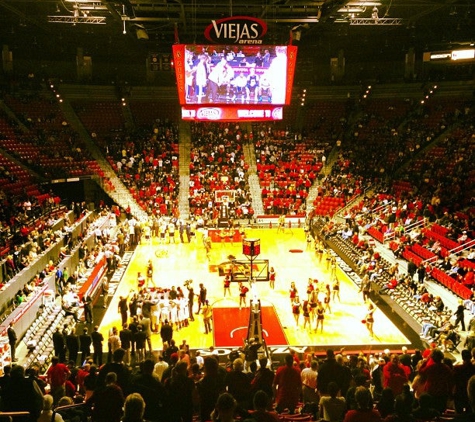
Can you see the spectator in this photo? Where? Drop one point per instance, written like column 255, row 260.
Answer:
column 107, row 401
column 152, row 392
column 209, row 388
column 22, row 395
column 57, row 376
column 364, row 411
column 287, row 386
column 438, row 380
column 180, row 392
column 134, row 408
column 47, row 412
column 394, row 375
column 332, row 408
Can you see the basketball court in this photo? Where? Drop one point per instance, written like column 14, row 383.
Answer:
column 292, row 259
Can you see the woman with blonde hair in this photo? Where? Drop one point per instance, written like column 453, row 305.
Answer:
column 134, row 408
column 47, row 412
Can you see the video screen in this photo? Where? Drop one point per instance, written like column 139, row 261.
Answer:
column 211, row 74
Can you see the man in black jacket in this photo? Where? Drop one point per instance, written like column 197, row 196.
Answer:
column 152, row 391
column 126, row 340
column 166, row 332
column 329, row 371
column 97, row 341
column 85, row 341
column 12, row 339
column 72, row 344
column 59, row 345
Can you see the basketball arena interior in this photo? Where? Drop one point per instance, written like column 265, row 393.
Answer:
column 286, row 176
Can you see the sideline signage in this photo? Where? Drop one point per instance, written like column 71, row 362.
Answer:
column 236, row 30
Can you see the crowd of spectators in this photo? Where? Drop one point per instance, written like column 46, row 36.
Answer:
column 147, row 163
column 287, row 166
column 183, row 386
column 217, row 163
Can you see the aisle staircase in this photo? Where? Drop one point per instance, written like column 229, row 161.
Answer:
column 184, row 169
column 110, row 182
column 253, row 179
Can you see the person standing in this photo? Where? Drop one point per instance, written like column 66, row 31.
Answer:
column 292, row 291
column 394, row 375
column 140, row 338
column 320, row 312
column 421, row 273
column 107, row 401
column 152, row 391
column 365, row 287
column 242, row 294
column 201, row 297
column 460, row 315
column 369, row 320
column 287, row 386
column 309, row 385
column 272, row 277
column 126, row 339
column 85, row 341
column 296, row 310
column 149, row 274
column 207, row 313
column 166, row 332
column 105, row 291
column 123, row 309
column 87, row 304
column 227, row 285
column 97, row 341
column 59, row 344
column 12, row 339
column 191, row 301
column 147, row 329
column 56, row 376
column 113, row 342
column 72, row 344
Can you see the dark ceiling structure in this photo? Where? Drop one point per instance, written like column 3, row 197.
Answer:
column 127, row 29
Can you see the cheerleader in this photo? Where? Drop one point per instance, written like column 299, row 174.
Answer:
column 336, row 289
column 369, row 320
column 227, row 285
column 296, row 310
column 242, row 295
column 306, row 310
column 293, row 292
column 326, row 299
column 312, row 302
column 319, row 250
column 320, row 317
column 272, row 277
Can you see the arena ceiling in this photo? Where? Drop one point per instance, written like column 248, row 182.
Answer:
column 127, row 29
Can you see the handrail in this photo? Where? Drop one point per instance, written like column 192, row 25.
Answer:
column 464, row 247
column 453, row 251
column 11, row 415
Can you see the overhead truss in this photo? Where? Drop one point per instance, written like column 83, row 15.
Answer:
column 92, row 20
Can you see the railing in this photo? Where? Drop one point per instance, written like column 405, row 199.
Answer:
column 453, row 251
column 407, row 229
column 9, row 416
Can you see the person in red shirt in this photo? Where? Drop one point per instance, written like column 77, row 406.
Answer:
column 394, row 375
column 287, row 386
column 57, row 375
column 438, row 379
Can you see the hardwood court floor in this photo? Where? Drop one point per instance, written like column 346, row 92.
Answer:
column 175, row 263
